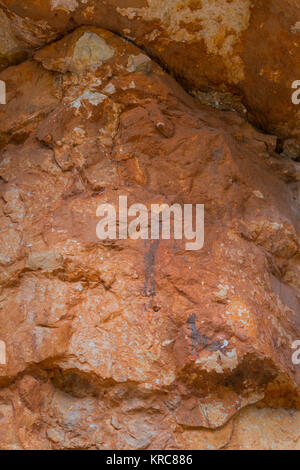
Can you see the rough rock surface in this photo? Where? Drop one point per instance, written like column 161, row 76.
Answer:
column 136, row 344
column 239, row 54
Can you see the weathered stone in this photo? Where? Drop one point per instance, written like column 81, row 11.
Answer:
column 12, row 50
column 89, row 51
column 135, row 344
column 214, row 46
column 47, row 261
column 291, row 149
column 139, row 63
column 266, row 429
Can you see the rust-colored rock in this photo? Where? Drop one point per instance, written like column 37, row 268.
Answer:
column 136, row 344
column 239, row 54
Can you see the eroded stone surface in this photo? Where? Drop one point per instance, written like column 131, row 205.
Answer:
column 136, row 344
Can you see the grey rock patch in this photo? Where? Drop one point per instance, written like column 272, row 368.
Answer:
column 139, row 63
column 90, row 50
column 46, row 261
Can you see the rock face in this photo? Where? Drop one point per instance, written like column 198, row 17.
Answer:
column 240, row 54
column 136, row 344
